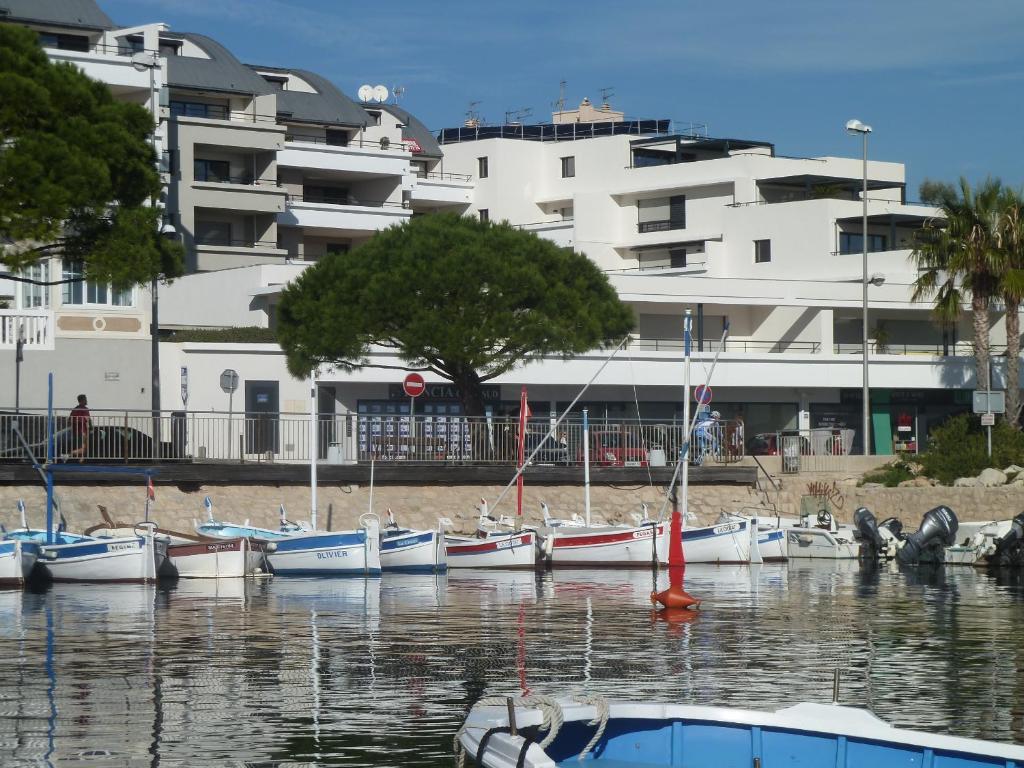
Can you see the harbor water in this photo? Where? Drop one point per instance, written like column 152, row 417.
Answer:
column 381, row 672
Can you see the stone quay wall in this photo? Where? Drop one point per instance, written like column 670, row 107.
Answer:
column 340, row 505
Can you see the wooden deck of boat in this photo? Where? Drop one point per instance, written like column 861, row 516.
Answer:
column 384, row 474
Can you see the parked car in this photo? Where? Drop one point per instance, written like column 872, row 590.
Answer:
column 766, row 443
column 616, row 448
column 552, row 450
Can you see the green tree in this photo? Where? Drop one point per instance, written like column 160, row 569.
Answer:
column 958, row 256
column 77, row 174
column 465, row 299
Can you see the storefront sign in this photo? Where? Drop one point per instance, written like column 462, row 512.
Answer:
column 491, row 394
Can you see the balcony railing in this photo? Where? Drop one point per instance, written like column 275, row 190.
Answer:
column 245, row 180
column 343, row 201
column 663, row 225
column 33, row 326
column 731, row 345
column 126, row 436
column 236, row 243
column 382, row 143
column 957, row 349
column 445, row 176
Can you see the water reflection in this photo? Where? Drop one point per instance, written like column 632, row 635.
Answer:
column 380, row 672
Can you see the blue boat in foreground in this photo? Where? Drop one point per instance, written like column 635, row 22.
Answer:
column 645, row 735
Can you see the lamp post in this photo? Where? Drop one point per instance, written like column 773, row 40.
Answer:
column 142, row 61
column 855, row 127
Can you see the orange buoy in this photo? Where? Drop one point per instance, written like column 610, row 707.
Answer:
column 676, row 597
column 674, row 617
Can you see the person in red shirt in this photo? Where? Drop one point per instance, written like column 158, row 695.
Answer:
column 80, row 424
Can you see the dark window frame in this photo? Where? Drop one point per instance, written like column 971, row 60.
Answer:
column 569, row 166
column 484, row 214
column 762, row 251
column 482, row 167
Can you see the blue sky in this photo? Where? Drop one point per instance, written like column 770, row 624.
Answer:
column 940, row 81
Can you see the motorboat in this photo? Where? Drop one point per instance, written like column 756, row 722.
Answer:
column 587, row 730
column 300, row 550
column 977, row 543
column 404, row 549
column 822, row 538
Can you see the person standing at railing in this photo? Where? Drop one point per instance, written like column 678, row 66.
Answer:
column 81, row 422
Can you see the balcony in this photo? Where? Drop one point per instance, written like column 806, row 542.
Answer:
column 360, row 157
column 110, row 64
column 237, row 253
column 435, row 190
column 732, row 346
column 352, row 220
column 217, row 125
column 561, row 232
column 34, row 325
column 239, row 194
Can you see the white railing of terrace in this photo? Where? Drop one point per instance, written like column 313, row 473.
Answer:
column 35, row 326
column 125, row 436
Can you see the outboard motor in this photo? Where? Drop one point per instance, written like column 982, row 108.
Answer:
column 895, row 527
column 867, row 527
column 1008, row 548
column 938, row 531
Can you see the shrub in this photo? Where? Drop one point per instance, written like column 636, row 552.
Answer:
column 957, row 448
column 890, row 475
column 243, row 335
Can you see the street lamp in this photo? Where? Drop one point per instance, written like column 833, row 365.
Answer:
column 855, row 127
column 142, row 61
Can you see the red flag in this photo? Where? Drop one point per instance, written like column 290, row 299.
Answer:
column 149, row 488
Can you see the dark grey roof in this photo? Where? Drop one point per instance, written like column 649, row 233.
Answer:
column 221, row 72
column 328, row 106
column 68, row 13
column 412, row 128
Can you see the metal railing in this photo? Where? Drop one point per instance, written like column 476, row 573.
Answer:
column 731, row 345
column 246, row 180
column 344, row 201
column 957, row 349
column 445, row 176
column 554, row 131
column 663, row 225
column 381, row 143
column 814, row 450
column 237, row 243
column 200, row 436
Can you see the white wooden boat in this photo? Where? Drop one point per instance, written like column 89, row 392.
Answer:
column 649, row 735
column 136, row 558
column 722, row 543
column 17, row 559
column 772, row 543
column 299, row 551
column 415, row 551
column 219, row 558
column 496, row 550
column 613, row 545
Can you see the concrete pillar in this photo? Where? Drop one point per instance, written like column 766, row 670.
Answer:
column 804, row 413
column 826, row 325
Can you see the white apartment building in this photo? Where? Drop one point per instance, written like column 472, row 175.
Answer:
column 268, row 169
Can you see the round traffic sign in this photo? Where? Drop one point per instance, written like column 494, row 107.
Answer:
column 414, row 385
column 229, row 380
column 702, row 394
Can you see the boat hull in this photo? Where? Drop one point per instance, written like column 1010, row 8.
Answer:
column 636, row 546
column 332, row 553
column 230, row 558
column 722, row 543
column 647, row 735
column 124, row 559
column 772, row 543
column 413, row 552
column 819, row 544
column 17, row 558
column 514, row 550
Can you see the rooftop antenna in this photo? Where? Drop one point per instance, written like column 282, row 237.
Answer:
column 515, row 116
column 606, row 93
column 560, row 104
column 472, row 115
column 397, row 91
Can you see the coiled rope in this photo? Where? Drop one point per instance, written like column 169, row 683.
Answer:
column 552, row 719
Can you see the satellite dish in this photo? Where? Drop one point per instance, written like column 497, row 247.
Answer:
column 365, row 92
column 380, row 93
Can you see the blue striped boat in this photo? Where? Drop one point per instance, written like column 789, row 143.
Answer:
column 647, row 735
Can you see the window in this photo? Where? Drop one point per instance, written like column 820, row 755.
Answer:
column 337, row 138
column 677, row 257
column 329, row 195
column 337, row 248
column 420, row 168
column 566, row 213
column 662, row 214
column 276, row 82
column 86, row 292
column 568, row 167
column 63, row 42
column 853, row 242
column 170, row 48
column 485, row 214
column 35, row 296
column 213, row 233
column 197, row 109
column 762, row 251
column 211, row 170
column 481, row 167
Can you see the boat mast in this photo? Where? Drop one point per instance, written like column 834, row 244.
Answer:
column 312, row 448
column 586, row 466
column 524, row 414
column 684, row 477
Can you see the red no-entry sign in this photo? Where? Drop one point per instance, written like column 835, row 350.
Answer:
column 702, row 394
column 414, row 385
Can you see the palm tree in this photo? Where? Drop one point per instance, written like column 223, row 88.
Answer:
column 1010, row 239
column 958, row 256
